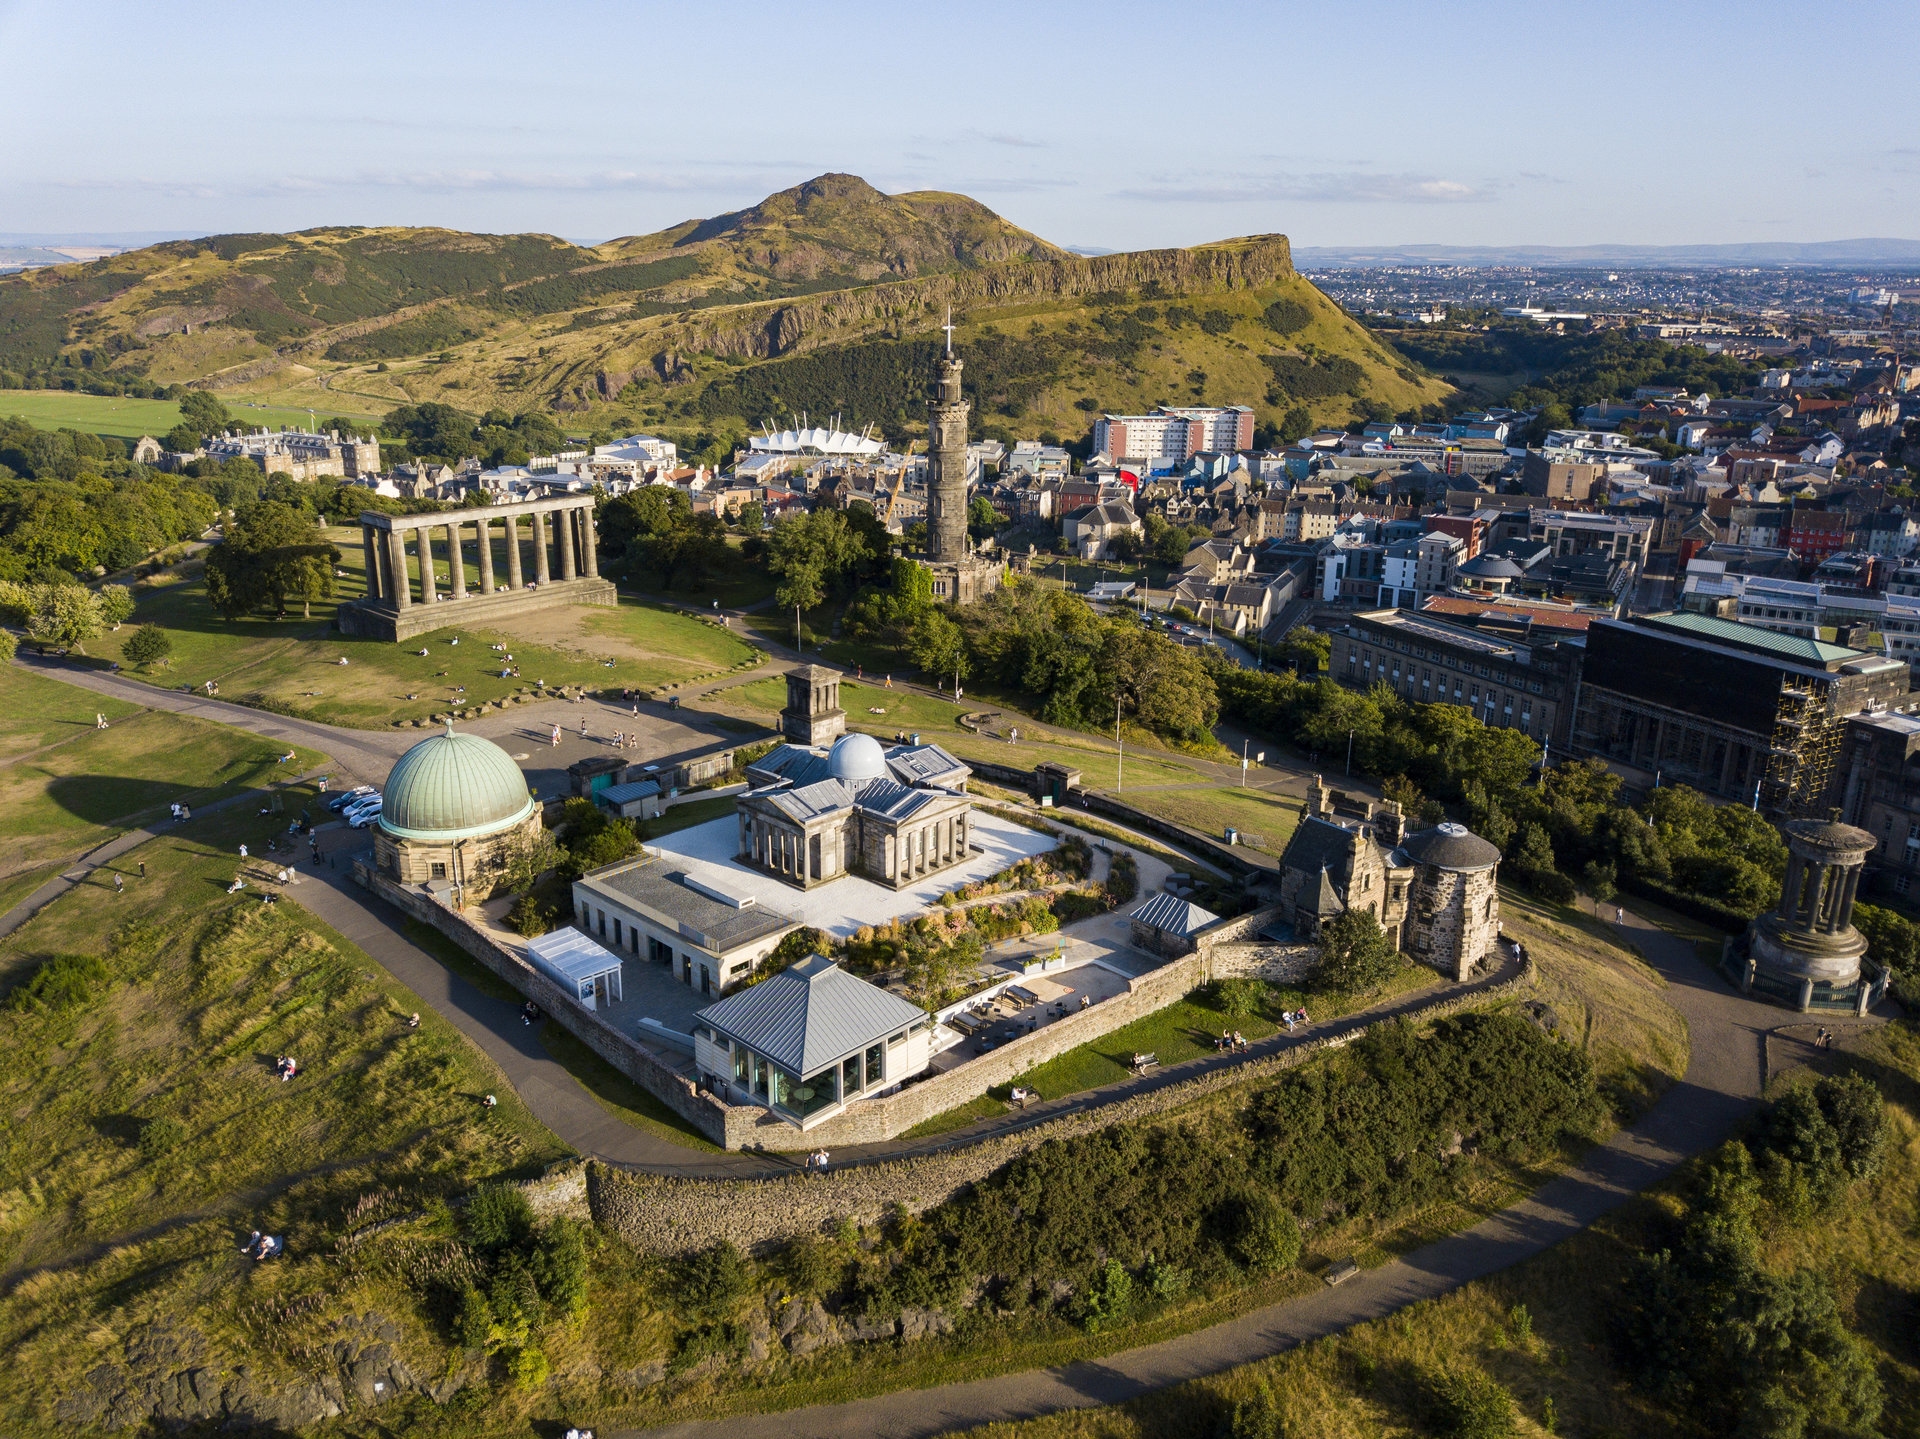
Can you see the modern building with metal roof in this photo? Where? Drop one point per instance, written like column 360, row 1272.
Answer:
column 588, row 971
column 709, row 936
column 810, row 1040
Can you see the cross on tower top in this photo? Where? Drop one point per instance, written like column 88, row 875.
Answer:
column 948, row 327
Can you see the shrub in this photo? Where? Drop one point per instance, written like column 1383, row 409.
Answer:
column 1265, row 1238
column 528, row 1368
column 1123, row 879
column 9, row 646
column 498, row 1217
column 158, row 1136
column 1467, row 1404
column 1108, row 1301
column 1238, row 997
column 708, row 1284
column 64, row 982
column 1355, row 953
column 147, row 646
column 530, row 917
column 1287, row 317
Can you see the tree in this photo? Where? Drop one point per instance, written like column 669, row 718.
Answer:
column 938, row 647
column 1355, row 953
column 753, row 517
column 201, row 414
column 1600, row 879
column 116, row 605
column 64, row 615
column 1308, row 650
column 271, row 555
column 148, row 646
column 801, row 588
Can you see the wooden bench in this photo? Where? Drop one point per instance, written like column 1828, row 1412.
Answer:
column 1145, row 1063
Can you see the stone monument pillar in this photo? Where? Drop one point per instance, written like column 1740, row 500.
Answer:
column 485, row 528
column 397, row 565
column 1807, row 948
column 514, row 582
column 373, row 562
column 456, row 562
column 563, row 528
column 428, row 595
column 589, row 544
column 539, row 547
column 947, row 464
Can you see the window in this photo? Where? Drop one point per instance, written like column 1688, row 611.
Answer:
column 439, row 871
column 876, row 1063
column 616, row 929
column 603, row 924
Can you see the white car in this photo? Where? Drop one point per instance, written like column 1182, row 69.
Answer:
column 361, row 818
column 371, row 804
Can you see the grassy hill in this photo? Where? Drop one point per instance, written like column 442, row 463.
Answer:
column 824, row 297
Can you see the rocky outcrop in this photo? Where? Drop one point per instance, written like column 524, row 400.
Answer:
column 168, row 1381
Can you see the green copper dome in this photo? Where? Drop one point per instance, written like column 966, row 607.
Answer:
column 454, row 786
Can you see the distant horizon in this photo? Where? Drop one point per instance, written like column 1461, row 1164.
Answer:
column 1859, row 251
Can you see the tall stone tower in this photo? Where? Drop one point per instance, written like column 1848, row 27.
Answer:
column 813, row 715
column 947, row 464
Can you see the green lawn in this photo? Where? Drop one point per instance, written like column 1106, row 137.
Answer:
column 66, row 786
column 130, row 419
column 200, row 991
column 688, row 814
column 292, row 665
column 1188, row 1029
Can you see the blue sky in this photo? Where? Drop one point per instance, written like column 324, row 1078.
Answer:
column 1115, row 125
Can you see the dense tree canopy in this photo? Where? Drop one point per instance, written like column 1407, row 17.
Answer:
column 271, row 556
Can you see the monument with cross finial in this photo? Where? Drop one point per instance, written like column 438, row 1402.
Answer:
column 959, row 574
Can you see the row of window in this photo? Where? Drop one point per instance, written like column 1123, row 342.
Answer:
column 700, row 972
column 1444, row 660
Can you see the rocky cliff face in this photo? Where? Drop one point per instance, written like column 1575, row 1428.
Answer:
column 783, row 327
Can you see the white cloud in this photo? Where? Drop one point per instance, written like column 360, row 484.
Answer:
column 1322, row 187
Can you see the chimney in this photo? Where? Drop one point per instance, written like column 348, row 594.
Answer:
column 1392, row 823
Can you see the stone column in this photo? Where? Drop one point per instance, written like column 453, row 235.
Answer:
column 589, row 544
column 564, row 528
column 514, row 582
column 484, row 527
column 373, row 564
column 539, row 547
column 397, row 567
column 428, row 595
column 456, row 562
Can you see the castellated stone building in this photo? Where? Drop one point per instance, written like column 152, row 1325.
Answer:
column 811, row 815
column 1433, row 891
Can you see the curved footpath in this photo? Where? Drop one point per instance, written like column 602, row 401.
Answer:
column 1723, row 1081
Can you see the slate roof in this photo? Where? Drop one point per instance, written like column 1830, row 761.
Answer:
column 1319, row 844
column 810, row 801
column 1172, row 915
column 926, row 764
column 1326, row 899
column 791, row 762
column 810, row 1016
column 628, row 793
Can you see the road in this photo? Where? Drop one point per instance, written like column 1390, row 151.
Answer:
column 1725, row 1072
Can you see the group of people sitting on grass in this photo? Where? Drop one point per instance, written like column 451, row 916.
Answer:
column 286, row 1066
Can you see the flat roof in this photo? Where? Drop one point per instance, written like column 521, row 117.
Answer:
column 659, row 887
column 1417, row 625
column 1563, row 617
column 1752, row 637
column 570, row 955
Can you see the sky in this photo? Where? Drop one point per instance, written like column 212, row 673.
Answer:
column 1113, row 125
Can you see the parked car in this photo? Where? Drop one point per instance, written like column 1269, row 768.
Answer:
column 352, row 812
column 351, row 797
column 364, row 817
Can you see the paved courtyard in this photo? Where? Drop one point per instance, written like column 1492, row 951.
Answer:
column 839, row 908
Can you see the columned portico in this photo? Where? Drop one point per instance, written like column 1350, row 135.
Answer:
column 390, row 593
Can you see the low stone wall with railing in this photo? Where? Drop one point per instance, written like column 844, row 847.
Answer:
column 674, row 1215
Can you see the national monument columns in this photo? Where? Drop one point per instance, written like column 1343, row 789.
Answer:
column 390, row 610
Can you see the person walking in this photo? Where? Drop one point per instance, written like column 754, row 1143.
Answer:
column 554, row 739
column 243, row 851
column 143, row 869
column 119, row 885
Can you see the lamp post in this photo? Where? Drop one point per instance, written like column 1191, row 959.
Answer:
column 1120, row 771
column 1349, row 754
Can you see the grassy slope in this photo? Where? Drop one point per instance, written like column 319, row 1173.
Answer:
column 1367, row 1382
column 292, row 665
column 130, row 419
column 66, row 786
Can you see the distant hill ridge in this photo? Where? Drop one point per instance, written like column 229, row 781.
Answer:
column 392, row 315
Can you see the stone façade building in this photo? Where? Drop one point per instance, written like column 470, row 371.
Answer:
column 1433, row 891
column 812, row 815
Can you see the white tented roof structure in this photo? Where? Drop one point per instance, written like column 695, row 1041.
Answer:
column 575, row 963
column 817, row 440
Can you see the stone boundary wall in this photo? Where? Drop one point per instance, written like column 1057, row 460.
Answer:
column 876, row 1120
column 675, row 1216
column 725, row 1124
